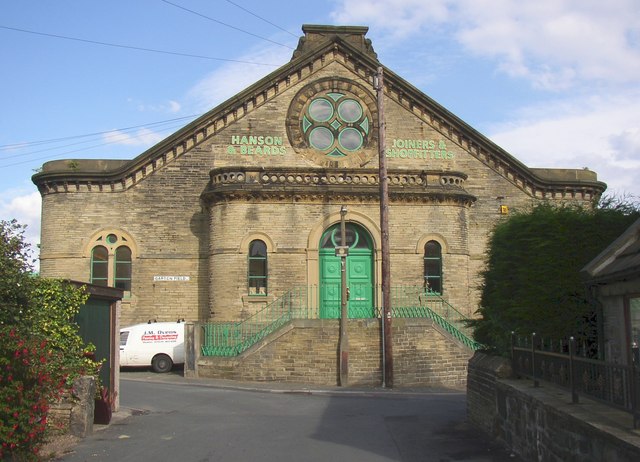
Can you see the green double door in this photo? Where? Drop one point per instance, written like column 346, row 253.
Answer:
column 359, row 272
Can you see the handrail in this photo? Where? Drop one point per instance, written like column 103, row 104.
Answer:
column 418, row 302
column 231, row 338
column 234, row 337
column 616, row 385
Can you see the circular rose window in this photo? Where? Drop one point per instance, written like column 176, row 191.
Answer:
column 331, row 120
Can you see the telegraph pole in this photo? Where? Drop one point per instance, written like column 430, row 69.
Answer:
column 343, row 251
column 384, row 229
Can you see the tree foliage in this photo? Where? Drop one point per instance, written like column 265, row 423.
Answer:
column 532, row 280
column 15, row 273
column 41, row 350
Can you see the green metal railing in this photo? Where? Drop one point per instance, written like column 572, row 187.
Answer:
column 232, row 338
column 416, row 302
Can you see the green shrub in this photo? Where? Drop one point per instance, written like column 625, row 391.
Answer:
column 532, row 280
column 41, row 350
column 55, row 306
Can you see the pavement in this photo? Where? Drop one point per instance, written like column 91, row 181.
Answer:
column 407, row 421
column 176, row 376
column 616, row 423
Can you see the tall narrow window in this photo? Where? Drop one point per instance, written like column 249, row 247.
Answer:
column 100, row 266
column 122, row 278
column 112, row 255
column 257, row 268
column 433, row 267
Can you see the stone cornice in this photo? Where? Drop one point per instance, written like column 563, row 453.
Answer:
column 322, row 185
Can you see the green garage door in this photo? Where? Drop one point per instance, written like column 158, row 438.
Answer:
column 359, row 273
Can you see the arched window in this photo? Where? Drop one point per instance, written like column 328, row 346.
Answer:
column 122, row 277
column 112, row 258
column 433, row 267
column 257, row 275
column 100, row 266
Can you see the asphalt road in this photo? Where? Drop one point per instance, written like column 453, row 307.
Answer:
column 178, row 421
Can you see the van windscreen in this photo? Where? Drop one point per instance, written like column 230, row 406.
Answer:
column 124, row 335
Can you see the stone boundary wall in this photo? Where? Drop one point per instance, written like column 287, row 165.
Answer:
column 73, row 414
column 306, row 352
column 539, row 424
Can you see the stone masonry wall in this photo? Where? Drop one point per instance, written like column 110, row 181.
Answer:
column 73, row 414
column 306, row 352
column 540, row 427
column 175, row 233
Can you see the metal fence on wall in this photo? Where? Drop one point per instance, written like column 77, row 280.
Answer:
column 614, row 384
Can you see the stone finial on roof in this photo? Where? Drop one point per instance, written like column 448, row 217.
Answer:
column 315, row 35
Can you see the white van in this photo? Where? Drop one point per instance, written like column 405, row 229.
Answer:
column 158, row 344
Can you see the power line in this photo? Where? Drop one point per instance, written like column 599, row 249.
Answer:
column 261, row 18
column 86, row 135
column 169, row 124
column 129, row 47
column 225, row 24
column 105, row 135
column 50, row 157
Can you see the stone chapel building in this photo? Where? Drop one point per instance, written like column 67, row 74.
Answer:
column 242, row 206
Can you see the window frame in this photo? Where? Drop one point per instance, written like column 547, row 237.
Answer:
column 103, row 263
column 117, row 277
column 262, row 289
column 113, row 241
column 427, row 277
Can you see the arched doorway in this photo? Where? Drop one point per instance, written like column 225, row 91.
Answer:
column 359, row 271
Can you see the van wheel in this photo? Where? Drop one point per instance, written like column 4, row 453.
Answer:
column 161, row 363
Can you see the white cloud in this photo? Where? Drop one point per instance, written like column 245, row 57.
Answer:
column 551, row 43
column 627, row 143
column 25, row 207
column 399, row 19
column 601, row 133
column 142, row 137
column 170, row 106
column 230, row 78
column 174, row 106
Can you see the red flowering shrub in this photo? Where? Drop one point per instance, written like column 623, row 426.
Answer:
column 28, row 383
column 34, row 371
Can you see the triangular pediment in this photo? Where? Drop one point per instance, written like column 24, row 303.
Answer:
column 320, row 47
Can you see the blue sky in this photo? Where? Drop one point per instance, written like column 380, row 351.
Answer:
column 554, row 82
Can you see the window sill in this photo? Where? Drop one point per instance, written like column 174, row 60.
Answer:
column 256, row 298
